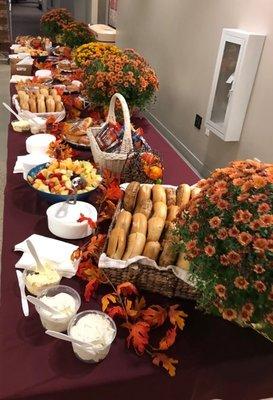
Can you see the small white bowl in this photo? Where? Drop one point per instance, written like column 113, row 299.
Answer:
column 39, row 143
column 43, row 73
column 62, row 219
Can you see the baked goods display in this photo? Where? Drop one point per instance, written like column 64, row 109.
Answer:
column 145, row 225
column 41, row 100
column 76, row 132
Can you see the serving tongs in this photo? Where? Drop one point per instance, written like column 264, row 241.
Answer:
column 77, row 182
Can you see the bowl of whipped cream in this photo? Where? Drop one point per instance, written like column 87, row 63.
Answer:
column 65, row 302
column 97, row 330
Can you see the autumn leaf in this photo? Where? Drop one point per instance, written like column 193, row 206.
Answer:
column 126, row 289
column 90, row 289
column 113, row 192
column 140, row 304
column 86, row 270
column 131, row 312
column 166, row 362
column 89, row 220
column 177, row 316
column 107, row 212
column 139, row 335
column 168, row 340
column 107, row 299
column 116, row 311
column 154, row 315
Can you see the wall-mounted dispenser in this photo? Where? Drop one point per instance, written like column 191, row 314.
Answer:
column 236, row 66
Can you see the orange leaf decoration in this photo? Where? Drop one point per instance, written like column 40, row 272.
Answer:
column 131, row 312
column 107, row 299
column 113, row 192
column 126, row 289
column 168, row 340
column 107, row 212
column 139, row 335
column 116, row 311
column 90, row 222
column 166, row 362
column 154, row 315
column 177, row 316
column 90, row 289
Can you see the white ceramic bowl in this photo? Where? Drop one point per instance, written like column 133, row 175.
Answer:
column 43, row 73
column 62, row 219
column 39, row 143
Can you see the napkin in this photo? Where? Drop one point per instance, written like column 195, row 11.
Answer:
column 57, row 251
column 30, row 161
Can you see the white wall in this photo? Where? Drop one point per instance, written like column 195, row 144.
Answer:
column 180, row 39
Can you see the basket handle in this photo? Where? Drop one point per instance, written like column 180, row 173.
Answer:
column 111, row 117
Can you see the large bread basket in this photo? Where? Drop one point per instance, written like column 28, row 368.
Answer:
column 114, row 162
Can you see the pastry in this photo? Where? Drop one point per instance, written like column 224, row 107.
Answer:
column 155, row 228
column 195, row 192
column 171, row 196
column 116, row 243
column 182, row 262
column 32, row 104
column 139, row 223
column 41, row 104
column 145, row 208
column 144, row 194
column 151, row 250
column 135, row 245
column 183, row 194
column 124, row 221
column 130, row 196
column 160, row 210
column 172, row 213
column 159, row 193
column 50, row 104
column 58, row 106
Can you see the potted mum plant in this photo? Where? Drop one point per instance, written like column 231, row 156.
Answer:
column 109, row 70
column 227, row 235
column 54, row 21
column 76, row 34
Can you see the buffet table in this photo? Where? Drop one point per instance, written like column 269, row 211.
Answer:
column 217, row 359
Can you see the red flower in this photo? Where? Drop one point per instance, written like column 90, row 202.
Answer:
column 238, row 182
column 243, row 197
column 244, row 238
column 249, row 308
column 260, row 244
column 260, row 286
column 233, row 232
column 263, row 208
column 255, row 225
column 194, row 227
column 222, row 234
column 245, row 316
column 215, row 222
column 266, row 220
column 233, row 257
column 258, row 269
column 241, row 283
column 224, row 260
column 246, row 216
column 191, row 245
column 270, row 296
column 223, row 204
column 270, row 245
column 229, row 314
column 209, row 250
column 269, row 318
column 221, row 291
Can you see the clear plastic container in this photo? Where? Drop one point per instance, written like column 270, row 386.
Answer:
column 38, row 288
column 92, row 352
column 58, row 322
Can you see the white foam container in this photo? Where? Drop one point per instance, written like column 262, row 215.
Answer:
column 39, row 143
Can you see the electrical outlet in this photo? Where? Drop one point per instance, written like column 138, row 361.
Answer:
column 198, row 121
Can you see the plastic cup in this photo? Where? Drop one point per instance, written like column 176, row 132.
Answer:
column 57, row 322
column 92, row 353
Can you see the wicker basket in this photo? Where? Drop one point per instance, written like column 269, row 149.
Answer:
column 146, row 277
column 113, row 161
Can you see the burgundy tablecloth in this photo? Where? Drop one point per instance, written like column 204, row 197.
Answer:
column 218, row 359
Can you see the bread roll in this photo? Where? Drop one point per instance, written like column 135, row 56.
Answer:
column 145, row 208
column 44, row 91
column 50, row 104
column 41, row 105
column 57, row 98
column 169, row 253
column 195, row 192
column 172, row 213
column 171, row 196
column 139, row 224
column 155, row 228
column 32, row 104
column 116, row 244
column 160, row 210
column 54, row 92
column 151, row 250
column 182, row 262
column 24, row 105
column 130, row 196
column 59, row 107
column 144, row 194
column 183, row 195
column 135, row 245
column 159, row 193
column 124, row 221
